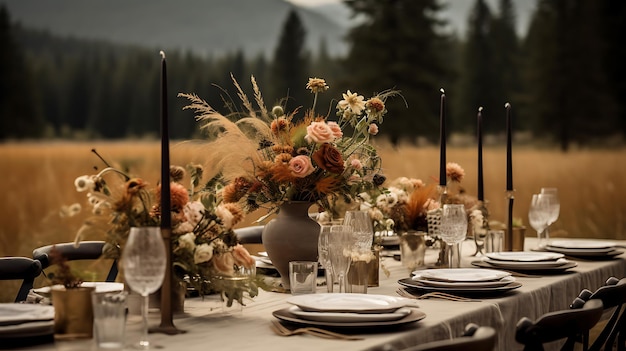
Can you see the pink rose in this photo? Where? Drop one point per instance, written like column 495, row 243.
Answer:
column 319, row 132
column 373, row 129
column 242, row 257
column 356, row 164
column 224, row 264
column 301, row 166
column 337, row 133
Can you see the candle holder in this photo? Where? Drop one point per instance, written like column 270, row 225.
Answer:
column 479, row 235
column 508, row 239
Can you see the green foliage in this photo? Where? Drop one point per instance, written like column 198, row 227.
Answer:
column 398, row 45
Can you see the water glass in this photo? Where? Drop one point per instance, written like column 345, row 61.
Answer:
column 302, row 277
column 109, row 312
column 454, row 230
column 494, row 241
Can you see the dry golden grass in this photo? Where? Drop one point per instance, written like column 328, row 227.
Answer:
column 37, row 179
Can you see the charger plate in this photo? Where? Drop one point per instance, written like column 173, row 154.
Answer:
column 286, row 315
column 461, row 290
column 349, row 316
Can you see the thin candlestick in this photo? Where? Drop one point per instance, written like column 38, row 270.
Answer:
column 509, row 159
column 442, row 140
column 167, row 317
column 479, row 132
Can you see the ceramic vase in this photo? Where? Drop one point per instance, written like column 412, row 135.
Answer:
column 291, row 236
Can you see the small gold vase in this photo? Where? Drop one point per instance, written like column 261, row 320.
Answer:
column 73, row 314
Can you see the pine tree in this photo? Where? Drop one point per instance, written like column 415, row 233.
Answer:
column 289, row 70
column 19, row 117
column 397, row 46
column 571, row 99
column 480, row 83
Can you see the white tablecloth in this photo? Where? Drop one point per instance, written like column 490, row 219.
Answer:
column 208, row 329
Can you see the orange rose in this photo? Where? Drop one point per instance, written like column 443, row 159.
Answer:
column 328, row 158
column 242, row 257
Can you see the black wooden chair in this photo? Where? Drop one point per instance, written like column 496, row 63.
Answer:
column 565, row 324
column 20, row 268
column 250, row 235
column 86, row 250
column 474, row 338
column 613, row 297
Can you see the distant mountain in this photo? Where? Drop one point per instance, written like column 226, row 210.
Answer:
column 207, row 27
column 213, row 27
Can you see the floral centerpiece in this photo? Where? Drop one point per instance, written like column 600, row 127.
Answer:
column 271, row 158
column 405, row 205
column 205, row 247
column 282, row 162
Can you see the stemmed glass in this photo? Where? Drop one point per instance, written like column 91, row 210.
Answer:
column 363, row 230
column 555, row 207
column 340, row 243
column 143, row 260
column 538, row 217
column 324, row 257
column 454, row 230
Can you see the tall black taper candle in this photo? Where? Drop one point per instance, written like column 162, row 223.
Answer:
column 479, row 132
column 442, row 140
column 167, row 318
column 509, row 160
column 508, row 240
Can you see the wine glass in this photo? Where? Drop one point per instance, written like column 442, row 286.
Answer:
column 362, row 229
column 323, row 256
column 538, row 217
column 454, row 230
column 340, row 243
column 555, row 207
column 143, row 260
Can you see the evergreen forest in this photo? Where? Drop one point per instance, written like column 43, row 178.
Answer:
column 565, row 78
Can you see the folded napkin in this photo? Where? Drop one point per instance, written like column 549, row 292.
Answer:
column 19, row 313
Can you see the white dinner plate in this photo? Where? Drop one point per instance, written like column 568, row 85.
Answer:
column 524, row 256
column 346, row 317
column 26, row 330
column 527, row 268
column 586, row 253
column 488, row 284
column 358, row 303
column 582, row 244
column 526, row 265
column 101, row 287
column 462, row 274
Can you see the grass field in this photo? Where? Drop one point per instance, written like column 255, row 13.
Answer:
column 38, row 178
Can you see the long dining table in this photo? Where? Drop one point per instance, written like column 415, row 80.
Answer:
column 206, row 327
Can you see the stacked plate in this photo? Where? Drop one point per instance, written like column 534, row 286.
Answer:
column 22, row 321
column 584, row 248
column 462, row 280
column 526, row 261
column 350, row 310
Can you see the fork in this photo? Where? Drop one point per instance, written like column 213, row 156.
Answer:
column 435, row 294
column 281, row 330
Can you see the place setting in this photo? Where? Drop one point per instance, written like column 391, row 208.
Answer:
column 584, row 248
column 461, row 281
column 526, row 261
column 350, row 311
